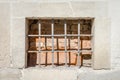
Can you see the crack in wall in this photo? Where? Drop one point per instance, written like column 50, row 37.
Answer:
column 70, row 5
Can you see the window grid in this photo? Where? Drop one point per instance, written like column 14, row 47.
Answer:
column 79, row 52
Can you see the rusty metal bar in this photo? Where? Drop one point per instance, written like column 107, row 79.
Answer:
column 46, row 52
column 81, row 53
column 57, row 40
column 69, row 47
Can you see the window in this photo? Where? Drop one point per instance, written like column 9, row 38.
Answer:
column 59, row 41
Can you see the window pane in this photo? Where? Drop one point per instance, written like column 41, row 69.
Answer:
column 59, row 27
column 45, row 27
column 32, row 59
column 72, row 26
column 85, row 27
column 33, row 27
column 72, row 43
column 60, row 43
column 33, row 43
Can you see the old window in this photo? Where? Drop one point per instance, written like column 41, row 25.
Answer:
column 59, row 41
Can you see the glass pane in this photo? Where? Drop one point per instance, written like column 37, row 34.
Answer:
column 86, row 44
column 33, row 27
column 85, row 27
column 59, row 27
column 87, row 59
column 46, row 27
column 72, row 43
column 72, row 27
column 32, row 59
column 33, row 43
column 72, row 58
column 46, row 43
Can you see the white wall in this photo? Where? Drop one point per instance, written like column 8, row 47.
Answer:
column 5, row 28
column 114, row 13
column 5, row 35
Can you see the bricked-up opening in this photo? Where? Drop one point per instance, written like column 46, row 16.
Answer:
column 59, row 41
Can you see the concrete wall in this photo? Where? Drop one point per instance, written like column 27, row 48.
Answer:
column 101, row 55
column 5, row 35
column 62, row 9
column 12, row 37
column 114, row 12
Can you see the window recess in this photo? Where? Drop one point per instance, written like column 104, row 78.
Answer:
column 59, row 42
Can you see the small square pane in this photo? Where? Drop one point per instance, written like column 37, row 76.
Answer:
column 33, row 43
column 85, row 27
column 45, row 27
column 72, row 27
column 58, row 27
column 33, row 27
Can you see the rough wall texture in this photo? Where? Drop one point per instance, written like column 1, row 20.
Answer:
column 4, row 35
column 12, row 18
column 102, row 43
column 10, row 74
column 62, row 9
column 18, row 37
column 114, row 12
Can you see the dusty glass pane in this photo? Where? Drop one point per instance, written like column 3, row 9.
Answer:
column 72, row 26
column 44, row 42
column 33, row 43
column 33, row 27
column 85, row 27
column 45, row 27
column 59, row 27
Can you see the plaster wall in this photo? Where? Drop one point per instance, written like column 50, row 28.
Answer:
column 12, row 37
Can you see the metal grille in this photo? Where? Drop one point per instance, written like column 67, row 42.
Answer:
column 80, row 35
